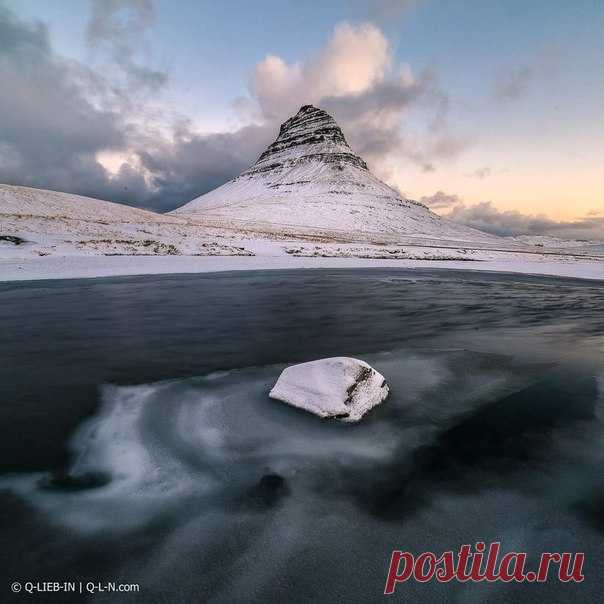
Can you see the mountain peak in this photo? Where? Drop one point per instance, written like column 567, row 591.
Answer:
column 311, row 134
column 309, row 182
column 311, row 117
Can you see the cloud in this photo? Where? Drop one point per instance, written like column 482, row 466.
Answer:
column 59, row 117
column 513, row 82
column 440, row 199
column 386, row 10
column 118, row 28
column 486, row 217
column 50, row 128
column 354, row 78
column 61, row 120
column 480, row 173
column 354, row 59
column 188, row 164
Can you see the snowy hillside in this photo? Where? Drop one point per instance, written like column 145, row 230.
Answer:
column 310, row 180
column 24, row 201
column 36, row 222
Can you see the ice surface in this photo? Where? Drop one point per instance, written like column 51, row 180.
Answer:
column 339, row 387
column 224, row 492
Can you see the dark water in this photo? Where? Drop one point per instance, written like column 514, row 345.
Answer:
column 139, row 445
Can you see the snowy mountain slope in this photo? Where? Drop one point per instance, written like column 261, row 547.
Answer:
column 36, row 222
column 309, row 179
column 25, row 201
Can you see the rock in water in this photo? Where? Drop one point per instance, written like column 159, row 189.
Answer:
column 338, row 387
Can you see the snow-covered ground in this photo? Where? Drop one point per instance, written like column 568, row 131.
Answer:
column 48, row 235
column 75, row 267
column 38, row 223
column 547, row 241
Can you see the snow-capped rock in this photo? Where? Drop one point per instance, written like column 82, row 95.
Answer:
column 339, row 387
column 310, row 181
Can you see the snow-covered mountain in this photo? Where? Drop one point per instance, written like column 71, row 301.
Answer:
column 308, row 180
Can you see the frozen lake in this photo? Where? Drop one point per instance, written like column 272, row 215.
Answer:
column 186, row 478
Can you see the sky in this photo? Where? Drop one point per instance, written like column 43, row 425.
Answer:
column 490, row 112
